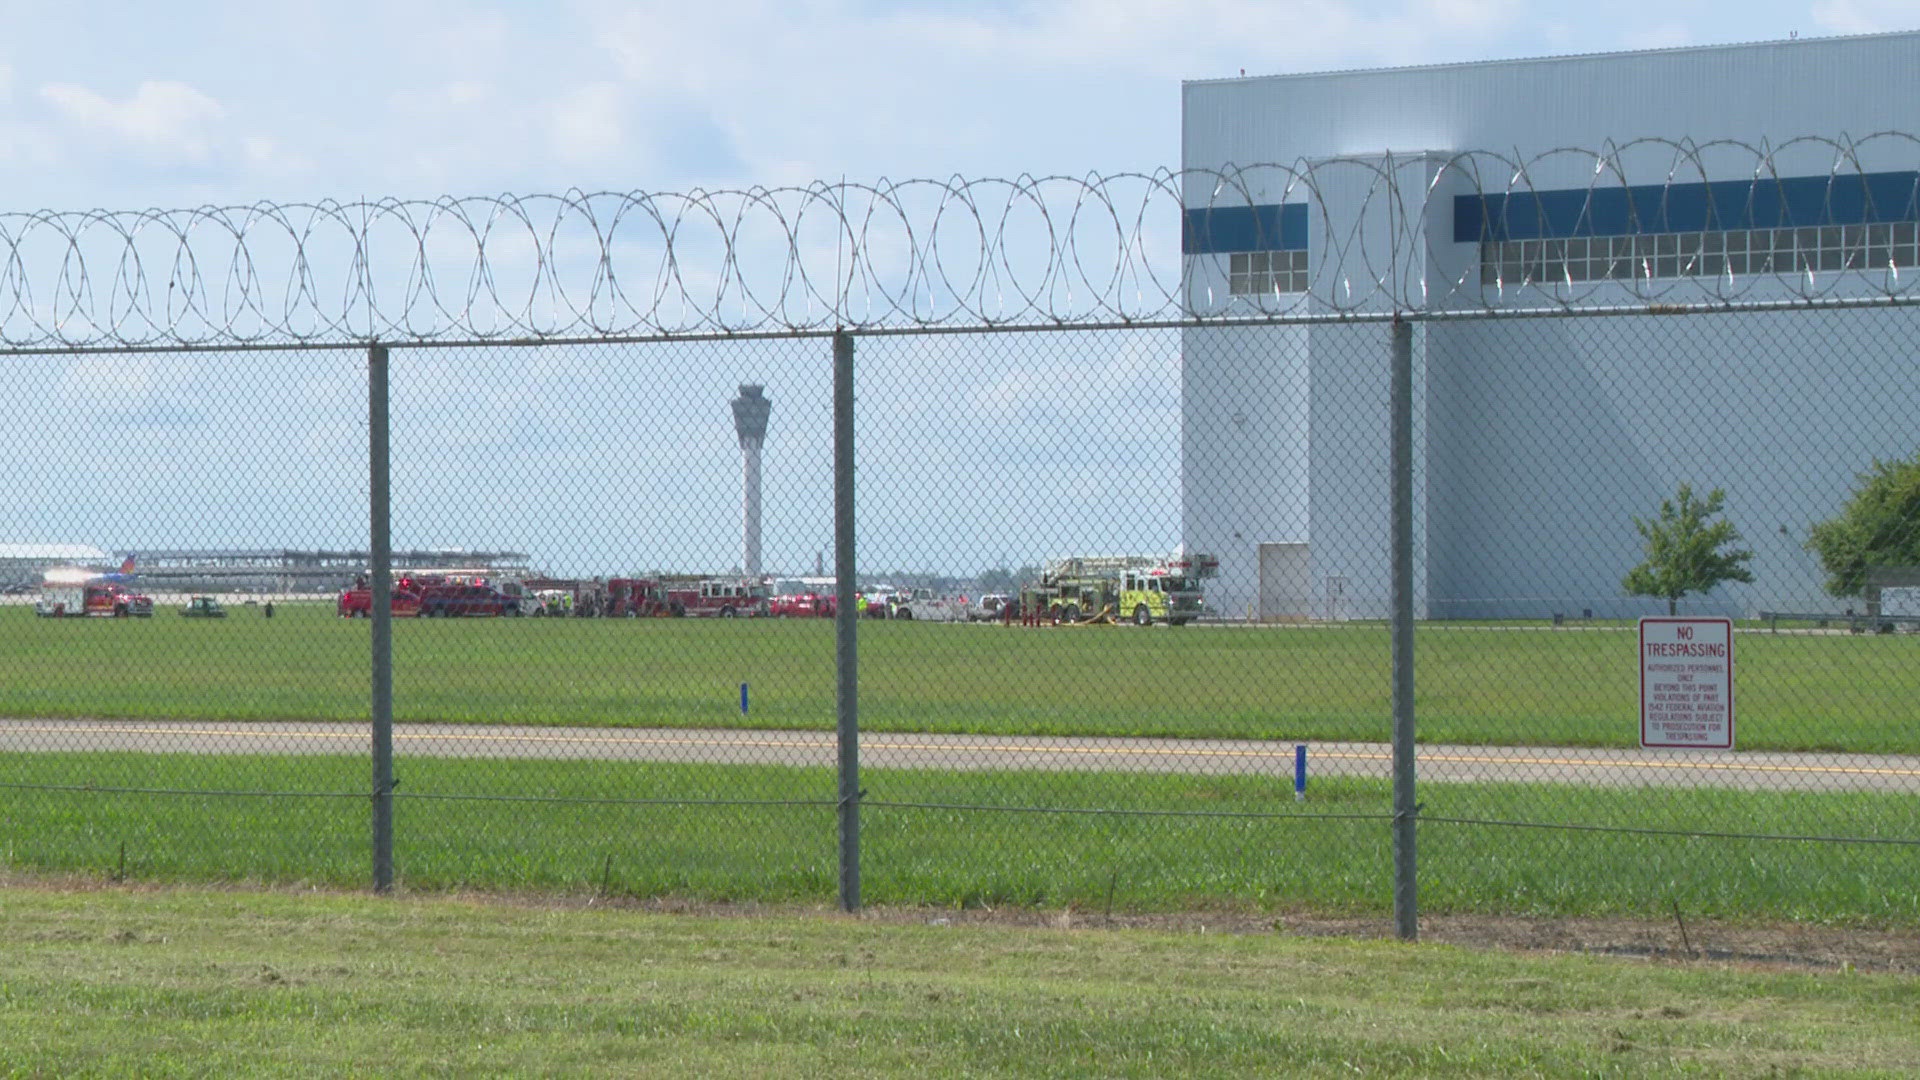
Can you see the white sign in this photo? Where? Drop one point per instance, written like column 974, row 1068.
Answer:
column 1686, row 683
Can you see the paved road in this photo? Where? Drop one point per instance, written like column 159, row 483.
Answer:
column 1437, row 763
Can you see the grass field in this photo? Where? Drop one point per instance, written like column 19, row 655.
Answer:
column 1476, row 684
column 746, row 830
column 960, row 839
column 179, row 983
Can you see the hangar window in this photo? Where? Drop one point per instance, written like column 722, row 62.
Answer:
column 1865, row 222
column 1736, row 253
column 1259, row 273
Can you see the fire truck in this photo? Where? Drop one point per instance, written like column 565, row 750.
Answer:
column 1143, row 588
column 638, row 598
column 447, row 599
column 555, row 598
column 59, row 599
column 357, row 602
column 620, row 597
column 719, row 597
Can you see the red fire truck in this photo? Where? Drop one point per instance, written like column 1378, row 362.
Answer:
column 638, row 598
column 357, row 602
column 450, row 599
column 722, row 597
column 58, row 599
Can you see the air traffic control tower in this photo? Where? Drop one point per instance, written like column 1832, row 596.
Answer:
column 750, row 412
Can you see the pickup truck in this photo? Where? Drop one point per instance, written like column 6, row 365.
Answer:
column 203, row 607
column 988, row 607
column 802, row 605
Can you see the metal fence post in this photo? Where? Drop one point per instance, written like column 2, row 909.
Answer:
column 1406, row 913
column 380, row 546
column 846, row 623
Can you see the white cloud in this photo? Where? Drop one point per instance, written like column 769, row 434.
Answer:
column 465, row 92
column 588, row 123
column 1467, row 14
column 819, row 89
column 443, row 99
column 1865, row 16
column 98, row 378
column 1187, row 39
column 1659, row 35
column 169, row 120
column 266, row 157
column 456, row 96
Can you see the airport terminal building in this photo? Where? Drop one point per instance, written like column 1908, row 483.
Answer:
column 1773, row 185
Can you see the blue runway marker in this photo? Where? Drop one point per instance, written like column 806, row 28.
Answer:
column 1299, row 770
column 743, row 699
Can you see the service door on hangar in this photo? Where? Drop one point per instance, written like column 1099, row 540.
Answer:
column 1286, row 583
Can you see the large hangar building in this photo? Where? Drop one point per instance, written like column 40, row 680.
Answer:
column 1516, row 186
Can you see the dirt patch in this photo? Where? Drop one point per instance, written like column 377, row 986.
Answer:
column 1891, row 949
column 1745, row 943
column 1750, row 943
column 1763, row 944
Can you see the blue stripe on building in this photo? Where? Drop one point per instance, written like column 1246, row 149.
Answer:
column 1716, row 206
column 1217, row 230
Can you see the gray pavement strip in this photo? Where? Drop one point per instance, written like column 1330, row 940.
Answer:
column 893, row 750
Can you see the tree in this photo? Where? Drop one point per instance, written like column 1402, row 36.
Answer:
column 1686, row 553
column 997, row 580
column 1879, row 526
column 1001, row 580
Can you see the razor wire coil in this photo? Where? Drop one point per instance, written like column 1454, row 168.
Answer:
column 1042, row 251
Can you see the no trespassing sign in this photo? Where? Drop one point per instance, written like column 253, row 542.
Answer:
column 1686, row 683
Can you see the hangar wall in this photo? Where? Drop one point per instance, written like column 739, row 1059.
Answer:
column 1537, row 440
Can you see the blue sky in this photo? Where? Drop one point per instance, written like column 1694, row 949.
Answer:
column 132, row 105
column 975, row 451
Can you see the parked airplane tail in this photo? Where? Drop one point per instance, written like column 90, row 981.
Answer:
column 124, row 576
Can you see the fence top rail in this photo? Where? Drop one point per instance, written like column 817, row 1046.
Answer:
column 1192, row 323
column 1644, row 226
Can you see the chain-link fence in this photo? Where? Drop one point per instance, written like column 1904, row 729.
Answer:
column 1120, row 625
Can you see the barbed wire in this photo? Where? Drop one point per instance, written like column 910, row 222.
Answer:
column 1649, row 222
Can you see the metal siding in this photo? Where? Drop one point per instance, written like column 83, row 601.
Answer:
column 1244, row 406
column 1540, row 468
column 1776, row 91
column 1505, row 433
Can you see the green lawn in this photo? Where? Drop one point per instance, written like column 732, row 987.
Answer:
column 732, row 830
column 176, row 983
column 1476, row 684
column 1132, row 841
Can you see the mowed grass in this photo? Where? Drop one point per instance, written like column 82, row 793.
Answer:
column 1089, row 841
column 182, row 983
column 1476, row 684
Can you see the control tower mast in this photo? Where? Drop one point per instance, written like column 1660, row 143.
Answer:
column 750, row 411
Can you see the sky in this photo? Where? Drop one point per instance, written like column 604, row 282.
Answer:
column 127, row 106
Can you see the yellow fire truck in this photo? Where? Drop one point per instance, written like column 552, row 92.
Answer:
column 1143, row 588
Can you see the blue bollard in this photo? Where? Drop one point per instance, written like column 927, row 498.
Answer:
column 1299, row 772
column 743, row 699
